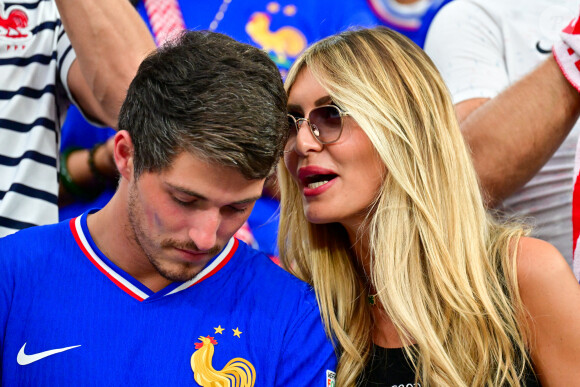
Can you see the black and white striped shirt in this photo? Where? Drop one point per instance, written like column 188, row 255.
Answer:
column 35, row 57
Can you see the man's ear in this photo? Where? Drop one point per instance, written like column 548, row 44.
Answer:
column 123, row 153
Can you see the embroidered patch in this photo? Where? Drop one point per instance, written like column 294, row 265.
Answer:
column 14, row 24
column 237, row 372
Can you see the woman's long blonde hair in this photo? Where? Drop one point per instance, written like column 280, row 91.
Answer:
column 443, row 269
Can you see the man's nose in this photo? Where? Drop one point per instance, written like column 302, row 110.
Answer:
column 203, row 231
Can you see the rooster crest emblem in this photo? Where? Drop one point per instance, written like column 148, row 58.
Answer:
column 284, row 42
column 14, row 24
column 237, row 372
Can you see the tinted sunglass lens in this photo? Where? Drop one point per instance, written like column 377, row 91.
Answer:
column 328, row 122
column 315, row 130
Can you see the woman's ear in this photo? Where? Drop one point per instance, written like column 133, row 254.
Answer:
column 123, row 152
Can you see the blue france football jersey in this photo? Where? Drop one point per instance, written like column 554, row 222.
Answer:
column 71, row 317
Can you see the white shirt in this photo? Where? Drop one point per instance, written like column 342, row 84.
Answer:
column 483, row 46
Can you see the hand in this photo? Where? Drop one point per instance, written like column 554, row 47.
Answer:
column 105, row 161
column 84, row 173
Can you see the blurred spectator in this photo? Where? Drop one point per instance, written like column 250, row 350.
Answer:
column 40, row 75
column 516, row 110
column 408, row 17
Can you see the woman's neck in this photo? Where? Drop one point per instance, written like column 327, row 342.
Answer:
column 384, row 332
column 359, row 240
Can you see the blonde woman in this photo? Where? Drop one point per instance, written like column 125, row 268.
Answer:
column 382, row 214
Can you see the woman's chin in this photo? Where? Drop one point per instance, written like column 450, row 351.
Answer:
column 318, row 217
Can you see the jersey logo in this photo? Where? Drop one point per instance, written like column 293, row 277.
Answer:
column 330, row 378
column 541, row 50
column 14, row 24
column 14, row 29
column 237, row 372
column 24, row 359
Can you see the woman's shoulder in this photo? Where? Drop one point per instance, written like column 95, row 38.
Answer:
column 543, row 273
column 550, row 294
column 540, row 262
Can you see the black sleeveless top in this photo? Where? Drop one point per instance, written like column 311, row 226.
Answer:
column 388, row 367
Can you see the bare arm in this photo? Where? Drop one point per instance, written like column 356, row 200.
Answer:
column 110, row 40
column 551, row 295
column 514, row 134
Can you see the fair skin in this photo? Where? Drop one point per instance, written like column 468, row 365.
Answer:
column 547, row 286
column 551, row 294
column 345, row 198
column 166, row 226
column 514, row 134
column 110, row 40
column 349, row 165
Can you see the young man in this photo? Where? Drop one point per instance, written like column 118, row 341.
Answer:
column 152, row 290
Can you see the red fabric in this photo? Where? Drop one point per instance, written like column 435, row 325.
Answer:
column 245, row 234
column 165, row 18
column 575, row 213
column 567, row 53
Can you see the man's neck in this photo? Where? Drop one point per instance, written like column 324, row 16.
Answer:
column 111, row 231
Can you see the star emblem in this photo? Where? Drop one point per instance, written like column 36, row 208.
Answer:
column 219, row 329
column 237, row 332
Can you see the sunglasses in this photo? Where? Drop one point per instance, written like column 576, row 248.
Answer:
column 325, row 123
